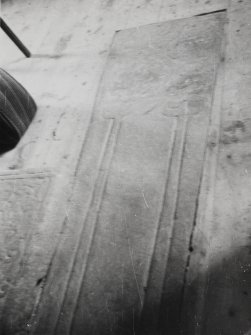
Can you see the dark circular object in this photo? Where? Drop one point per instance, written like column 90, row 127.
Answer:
column 17, row 109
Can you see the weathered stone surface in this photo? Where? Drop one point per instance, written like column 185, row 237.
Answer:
column 218, row 295
column 137, row 183
column 20, row 225
column 230, row 277
column 164, row 70
column 217, row 276
column 68, row 61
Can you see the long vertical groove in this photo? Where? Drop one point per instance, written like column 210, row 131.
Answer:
column 78, row 242
column 179, row 144
column 161, row 208
column 173, row 173
column 208, row 161
column 73, row 263
column 212, row 158
column 76, row 170
column 111, row 145
column 94, row 115
column 181, row 159
column 190, row 246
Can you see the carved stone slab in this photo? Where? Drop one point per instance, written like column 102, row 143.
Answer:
column 123, row 255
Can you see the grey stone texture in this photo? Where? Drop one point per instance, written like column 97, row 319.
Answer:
column 125, row 208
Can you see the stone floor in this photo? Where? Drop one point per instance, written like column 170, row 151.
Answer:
column 126, row 207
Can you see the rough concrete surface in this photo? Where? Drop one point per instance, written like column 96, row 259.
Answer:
column 125, row 208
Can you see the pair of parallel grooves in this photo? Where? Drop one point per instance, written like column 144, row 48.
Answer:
column 101, row 178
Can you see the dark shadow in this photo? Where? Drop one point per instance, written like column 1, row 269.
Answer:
column 52, row 56
column 17, row 110
column 220, row 302
column 226, row 307
column 8, row 137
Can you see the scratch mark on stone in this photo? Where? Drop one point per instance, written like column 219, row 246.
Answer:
column 67, row 214
column 133, row 267
column 133, row 327
column 145, row 199
column 122, row 282
column 98, row 29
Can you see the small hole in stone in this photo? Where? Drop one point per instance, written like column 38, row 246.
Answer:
column 39, row 281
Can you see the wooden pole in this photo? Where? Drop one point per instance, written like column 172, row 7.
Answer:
column 14, row 38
